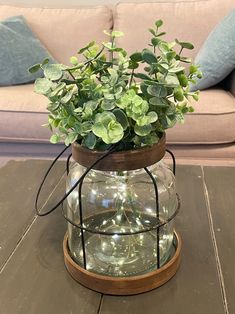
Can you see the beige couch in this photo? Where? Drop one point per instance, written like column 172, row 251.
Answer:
column 208, row 134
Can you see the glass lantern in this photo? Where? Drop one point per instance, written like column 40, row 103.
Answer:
column 120, row 207
column 120, row 210
column 125, row 217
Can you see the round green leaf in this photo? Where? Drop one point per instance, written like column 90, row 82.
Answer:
column 160, row 102
column 99, row 130
column 184, row 44
column 74, row 60
column 90, row 140
column 56, row 91
column 117, row 34
column 71, row 138
column 53, row 72
column 45, row 61
column 193, row 69
column 143, row 130
column 152, row 31
column 118, row 92
column 187, row 45
column 172, row 80
column 91, row 104
column 113, row 76
column 195, row 96
column 35, row 68
column 86, row 127
column 133, row 65
column 67, row 97
column 157, row 90
column 152, row 116
column 109, row 96
column 104, row 79
column 136, row 57
column 155, row 41
column 178, row 95
column 142, row 121
column 121, row 118
column 107, row 105
column 115, row 132
column 183, row 80
column 148, row 56
column 176, row 69
column 170, row 55
column 104, row 118
column 158, row 23
column 55, row 138
column 42, row 86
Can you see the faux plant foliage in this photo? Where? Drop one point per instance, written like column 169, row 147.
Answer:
column 99, row 102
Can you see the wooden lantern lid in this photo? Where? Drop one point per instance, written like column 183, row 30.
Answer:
column 121, row 160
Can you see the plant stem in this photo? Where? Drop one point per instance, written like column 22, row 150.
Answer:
column 71, row 74
column 131, row 77
column 88, row 61
column 112, row 42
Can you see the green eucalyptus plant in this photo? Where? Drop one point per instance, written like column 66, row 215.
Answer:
column 98, row 101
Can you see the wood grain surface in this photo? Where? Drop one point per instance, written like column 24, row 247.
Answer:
column 220, row 185
column 34, row 280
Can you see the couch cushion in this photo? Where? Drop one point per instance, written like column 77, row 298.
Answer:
column 217, row 154
column 22, row 114
column 188, row 21
column 21, row 98
column 211, row 123
column 216, row 58
column 20, row 49
column 63, row 31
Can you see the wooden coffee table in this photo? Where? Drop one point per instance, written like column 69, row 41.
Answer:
column 33, row 279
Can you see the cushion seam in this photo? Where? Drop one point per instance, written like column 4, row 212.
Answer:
column 24, row 111
column 189, row 114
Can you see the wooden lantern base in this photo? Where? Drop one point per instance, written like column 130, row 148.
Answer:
column 123, row 285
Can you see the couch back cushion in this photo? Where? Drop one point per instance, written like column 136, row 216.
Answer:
column 187, row 21
column 64, row 31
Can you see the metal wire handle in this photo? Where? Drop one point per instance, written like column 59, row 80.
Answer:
column 38, row 210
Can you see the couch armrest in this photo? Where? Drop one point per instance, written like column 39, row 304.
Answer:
column 229, row 83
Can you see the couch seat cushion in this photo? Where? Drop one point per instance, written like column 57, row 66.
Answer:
column 22, row 114
column 211, row 123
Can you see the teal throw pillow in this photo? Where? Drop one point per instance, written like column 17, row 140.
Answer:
column 217, row 56
column 20, row 49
